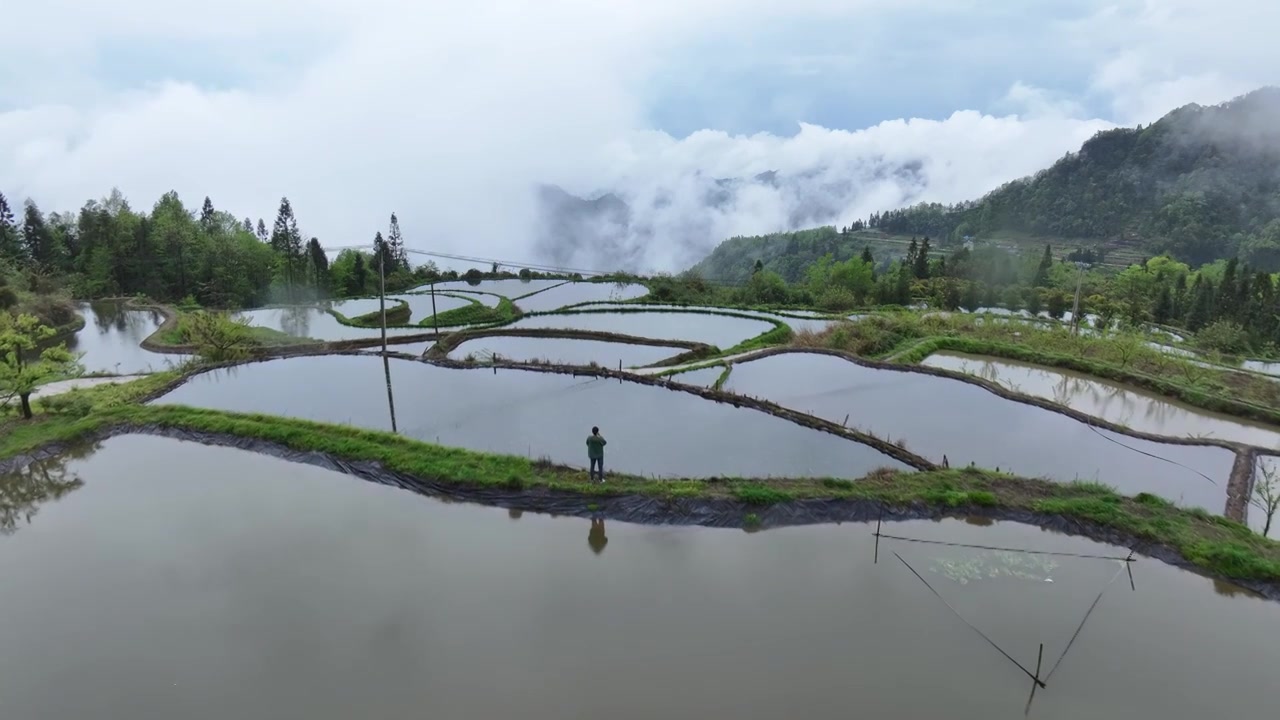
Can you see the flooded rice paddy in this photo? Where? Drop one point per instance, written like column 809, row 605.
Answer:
column 814, row 324
column 565, row 351
column 723, row 331
column 356, row 307
column 420, row 306
column 1121, row 404
column 651, row 430
column 580, row 292
column 937, row 416
column 174, row 580
column 1259, row 366
column 706, row 377
column 111, row 337
column 314, row 323
column 512, row 288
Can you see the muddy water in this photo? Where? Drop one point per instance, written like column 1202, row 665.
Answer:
column 565, row 351
column 937, row 416
column 111, row 338
column 253, row 588
column 723, row 331
column 1111, row 401
column 310, row 322
column 575, row 293
column 651, row 430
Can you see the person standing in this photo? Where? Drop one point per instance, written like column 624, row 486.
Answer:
column 595, row 453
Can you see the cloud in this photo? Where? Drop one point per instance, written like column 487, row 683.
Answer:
column 449, row 113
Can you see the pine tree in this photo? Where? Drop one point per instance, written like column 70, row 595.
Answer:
column 10, row 243
column 922, row 260
column 902, row 285
column 758, row 267
column 382, row 255
column 1201, row 312
column 1163, row 310
column 207, row 218
column 248, row 225
column 36, row 237
column 287, row 241
column 867, row 257
column 912, row 251
column 399, row 257
column 319, row 264
column 1042, row 271
column 1228, row 293
column 359, row 276
column 262, row 230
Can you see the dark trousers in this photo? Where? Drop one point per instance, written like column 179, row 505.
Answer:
column 596, row 464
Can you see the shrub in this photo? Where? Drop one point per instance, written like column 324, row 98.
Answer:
column 71, row 404
column 1223, row 336
column 216, row 336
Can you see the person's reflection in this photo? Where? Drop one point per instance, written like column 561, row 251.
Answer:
column 596, row 538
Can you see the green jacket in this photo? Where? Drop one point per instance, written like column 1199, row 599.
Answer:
column 595, row 447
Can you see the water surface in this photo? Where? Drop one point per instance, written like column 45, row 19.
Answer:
column 420, row 305
column 813, row 324
column 356, row 307
column 723, row 331
column 111, row 340
column 314, row 323
column 651, row 430
column 706, row 377
column 565, row 351
column 1121, row 404
column 511, row 288
column 937, row 416
column 253, row 588
column 1260, row 366
column 581, row 292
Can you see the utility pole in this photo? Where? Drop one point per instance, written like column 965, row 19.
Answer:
column 382, row 298
column 1075, row 307
column 434, row 321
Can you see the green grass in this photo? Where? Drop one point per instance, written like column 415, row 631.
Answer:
column 910, row 338
column 1210, row 542
column 474, row 313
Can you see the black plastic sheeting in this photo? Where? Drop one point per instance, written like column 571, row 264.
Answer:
column 706, row 512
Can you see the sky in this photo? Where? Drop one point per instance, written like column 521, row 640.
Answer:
column 449, row 113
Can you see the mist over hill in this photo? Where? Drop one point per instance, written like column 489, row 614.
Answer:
column 1201, row 183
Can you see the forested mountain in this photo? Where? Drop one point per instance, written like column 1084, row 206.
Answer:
column 1201, row 183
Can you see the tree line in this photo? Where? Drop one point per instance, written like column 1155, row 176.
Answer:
column 210, row 257
column 1228, row 305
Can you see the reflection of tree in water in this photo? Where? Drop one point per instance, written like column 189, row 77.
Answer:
column 22, row 492
column 515, row 514
column 1113, row 402
column 296, row 320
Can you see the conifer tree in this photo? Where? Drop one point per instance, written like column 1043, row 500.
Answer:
column 207, row 217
